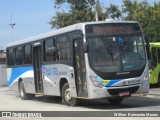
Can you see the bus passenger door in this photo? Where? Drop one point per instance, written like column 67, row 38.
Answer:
column 37, row 63
column 80, row 69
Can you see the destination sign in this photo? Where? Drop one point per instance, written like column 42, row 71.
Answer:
column 113, row 28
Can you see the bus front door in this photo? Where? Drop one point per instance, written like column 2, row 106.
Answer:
column 80, row 69
column 37, row 63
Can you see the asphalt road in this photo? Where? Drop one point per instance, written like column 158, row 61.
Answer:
column 10, row 101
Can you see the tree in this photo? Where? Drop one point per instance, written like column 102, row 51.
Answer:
column 113, row 12
column 80, row 11
column 128, row 8
column 148, row 16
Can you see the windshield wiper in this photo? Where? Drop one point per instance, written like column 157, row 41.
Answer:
column 108, row 48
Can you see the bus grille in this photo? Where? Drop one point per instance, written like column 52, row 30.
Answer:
column 117, row 91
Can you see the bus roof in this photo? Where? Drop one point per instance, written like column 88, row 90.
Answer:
column 78, row 26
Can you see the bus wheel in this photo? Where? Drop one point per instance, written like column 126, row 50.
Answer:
column 115, row 100
column 23, row 94
column 158, row 84
column 66, row 96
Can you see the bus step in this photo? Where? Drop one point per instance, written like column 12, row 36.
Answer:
column 39, row 94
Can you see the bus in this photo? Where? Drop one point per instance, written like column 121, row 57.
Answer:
column 154, row 69
column 90, row 60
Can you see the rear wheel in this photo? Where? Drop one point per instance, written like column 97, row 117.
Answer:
column 23, row 94
column 66, row 96
column 115, row 100
column 158, row 84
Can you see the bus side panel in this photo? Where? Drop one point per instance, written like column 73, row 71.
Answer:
column 153, row 78
column 154, row 63
column 52, row 74
column 50, row 80
column 13, row 75
column 28, row 81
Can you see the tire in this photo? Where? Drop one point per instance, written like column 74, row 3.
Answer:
column 66, row 96
column 158, row 84
column 23, row 94
column 115, row 100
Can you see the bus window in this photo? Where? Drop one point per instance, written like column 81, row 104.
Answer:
column 63, row 48
column 158, row 50
column 11, row 57
column 19, row 59
column 27, row 54
column 154, row 57
column 49, row 50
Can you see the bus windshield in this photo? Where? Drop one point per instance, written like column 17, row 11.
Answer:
column 116, row 53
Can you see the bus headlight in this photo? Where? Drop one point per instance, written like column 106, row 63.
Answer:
column 96, row 82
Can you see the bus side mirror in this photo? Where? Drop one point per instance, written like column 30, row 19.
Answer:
column 85, row 47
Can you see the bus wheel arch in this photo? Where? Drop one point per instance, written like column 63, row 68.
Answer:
column 22, row 92
column 66, row 94
column 61, row 84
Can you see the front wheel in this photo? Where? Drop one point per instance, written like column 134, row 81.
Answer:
column 115, row 100
column 66, row 96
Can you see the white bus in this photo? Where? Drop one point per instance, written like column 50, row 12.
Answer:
column 89, row 60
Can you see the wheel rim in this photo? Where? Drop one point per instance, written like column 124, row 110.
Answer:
column 68, row 95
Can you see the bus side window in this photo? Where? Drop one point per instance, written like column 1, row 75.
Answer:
column 11, row 56
column 49, row 50
column 19, row 56
column 158, row 51
column 58, row 52
column 63, row 48
column 153, row 58
column 27, row 54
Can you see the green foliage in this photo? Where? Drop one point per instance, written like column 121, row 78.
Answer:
column 80, row 11
column 114, row 12
column 148, row 16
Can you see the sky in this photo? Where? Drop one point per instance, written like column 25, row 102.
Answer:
column 31, row 18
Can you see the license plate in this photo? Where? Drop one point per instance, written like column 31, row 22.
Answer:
column 124, row 93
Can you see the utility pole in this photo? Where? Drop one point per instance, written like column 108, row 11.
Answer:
column 12, row 25
column 96, row 9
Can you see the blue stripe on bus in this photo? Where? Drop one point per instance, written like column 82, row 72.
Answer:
column 13, row 73
column 111, row 82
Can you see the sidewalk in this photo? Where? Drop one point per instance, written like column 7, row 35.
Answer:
column 154, row 93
